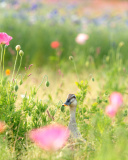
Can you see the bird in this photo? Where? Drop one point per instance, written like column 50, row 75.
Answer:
column 72, row 103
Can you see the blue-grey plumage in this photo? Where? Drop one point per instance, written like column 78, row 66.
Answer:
column 72, row 103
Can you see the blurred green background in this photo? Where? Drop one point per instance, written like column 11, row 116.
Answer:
column 35, row 24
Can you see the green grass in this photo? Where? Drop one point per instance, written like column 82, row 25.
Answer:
column 105, row 137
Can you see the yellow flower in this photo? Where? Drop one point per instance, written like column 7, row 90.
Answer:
column 7, row 72
column 95, row 104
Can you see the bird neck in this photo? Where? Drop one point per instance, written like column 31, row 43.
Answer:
column 72, row 114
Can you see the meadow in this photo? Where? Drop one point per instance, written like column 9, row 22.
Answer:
column 50, row 51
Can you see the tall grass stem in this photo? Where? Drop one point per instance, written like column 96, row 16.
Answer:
column 19, row 67
column 3, row 63
column 76, row 70
column 15, row 65
column 1, row 60
column 42, row 81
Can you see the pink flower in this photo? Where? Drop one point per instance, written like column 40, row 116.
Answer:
column 111, row 111
column 4, row 38
column 2, row 126
column 51, row 137
column 116, row 99
column 81, row 38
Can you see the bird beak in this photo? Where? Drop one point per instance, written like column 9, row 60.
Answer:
column 67, row 103
column 64, row 104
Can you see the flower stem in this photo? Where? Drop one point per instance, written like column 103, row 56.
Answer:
column 76, row 70
column 1, row 60
column 42, row 82
column 3, row 63
column 14, row 65
column 19, row 67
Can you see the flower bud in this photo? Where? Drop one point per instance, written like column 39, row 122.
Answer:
column 21, row 82
column 16, row 88
column 71, row 58
column 18, row 47
column 47, row 83
column 93, row 79
column 21, row 53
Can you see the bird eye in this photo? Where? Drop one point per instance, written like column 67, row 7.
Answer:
column 68, row 100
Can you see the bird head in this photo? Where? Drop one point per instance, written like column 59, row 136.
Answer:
column 71, row 101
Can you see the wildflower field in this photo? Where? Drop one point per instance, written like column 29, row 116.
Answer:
column 63, row 80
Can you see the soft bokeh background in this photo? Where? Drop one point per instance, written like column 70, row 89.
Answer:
column 35, row 24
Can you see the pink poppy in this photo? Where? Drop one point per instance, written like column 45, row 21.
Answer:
column 51, row 137
column 81, row 38
column 4, row 38
column 110, row 111
column 2, row 127
column 116, row 99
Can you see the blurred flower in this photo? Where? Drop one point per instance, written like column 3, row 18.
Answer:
column 116, row 99
column 21, row 53
column 98, row 50
column 71, row 58
column 34, row 6
column 23, row 96
column 7, row 72
column 107, row 59
column 18, row 47
column 51, row 137
column 11, row 51
column 2, row 127
column 81, row 38
column 55, row 44
column 29, row 75
column 30, row 66
column 87, row 63
column 4, row 38
column 60, row 72
column 121, row 44
column 110, row 111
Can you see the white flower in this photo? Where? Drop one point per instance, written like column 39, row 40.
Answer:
column 22, row 96
column 81, row 38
